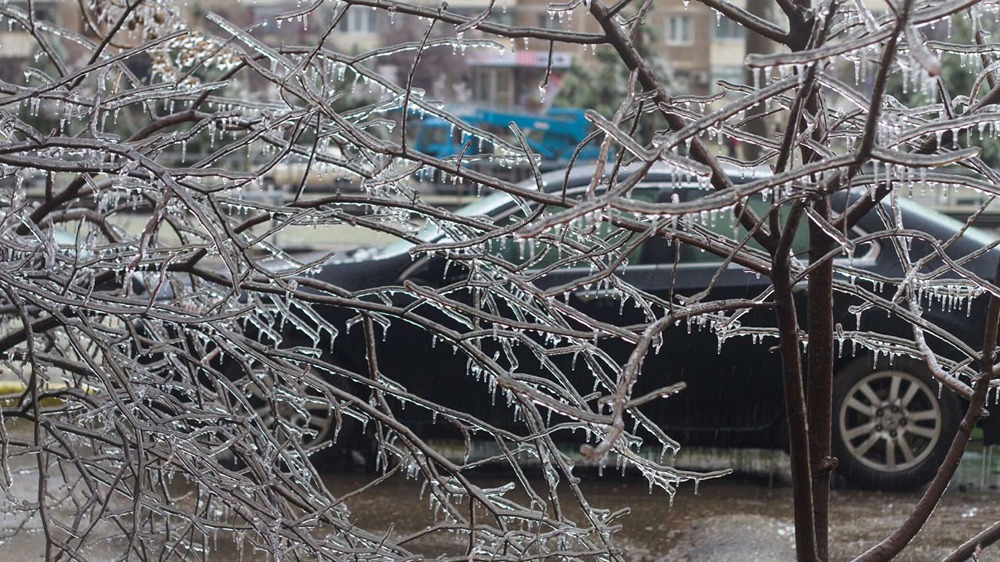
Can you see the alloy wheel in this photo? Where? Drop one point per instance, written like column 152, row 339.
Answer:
column 890, row 421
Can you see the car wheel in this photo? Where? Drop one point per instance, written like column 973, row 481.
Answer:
column 892, row 425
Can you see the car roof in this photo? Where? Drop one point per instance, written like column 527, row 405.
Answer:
column 577, row 176
column 582, row 175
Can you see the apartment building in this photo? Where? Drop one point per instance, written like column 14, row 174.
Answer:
column 688, row 40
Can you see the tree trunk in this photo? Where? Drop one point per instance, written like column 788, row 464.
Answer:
column 819, row 381
column 795, row 402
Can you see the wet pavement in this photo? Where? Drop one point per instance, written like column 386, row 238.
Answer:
column 736, row 518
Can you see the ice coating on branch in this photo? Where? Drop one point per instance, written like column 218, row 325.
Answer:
column 251, row 148
column 921, row 53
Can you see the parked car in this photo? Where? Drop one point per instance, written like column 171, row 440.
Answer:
column 892, row 422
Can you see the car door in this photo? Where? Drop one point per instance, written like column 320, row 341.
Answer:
column 733, row 393
column 734, row 387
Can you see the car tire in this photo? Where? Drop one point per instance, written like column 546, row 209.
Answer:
column 892, row 424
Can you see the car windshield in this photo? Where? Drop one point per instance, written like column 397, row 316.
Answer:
column 486, row 205
column 490, row 205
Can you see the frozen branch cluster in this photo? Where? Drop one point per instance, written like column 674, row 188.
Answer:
column 151, row 312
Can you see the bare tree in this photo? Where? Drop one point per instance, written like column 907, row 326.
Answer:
column 181, row 373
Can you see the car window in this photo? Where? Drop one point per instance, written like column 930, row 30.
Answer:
column 486, row 205
column 658, row 249
column 723, row 224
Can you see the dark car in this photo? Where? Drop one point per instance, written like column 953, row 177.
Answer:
column 892, row 423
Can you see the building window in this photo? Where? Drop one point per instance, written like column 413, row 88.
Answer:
column 728, row 30
column 360, row 20
column 679, row 30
